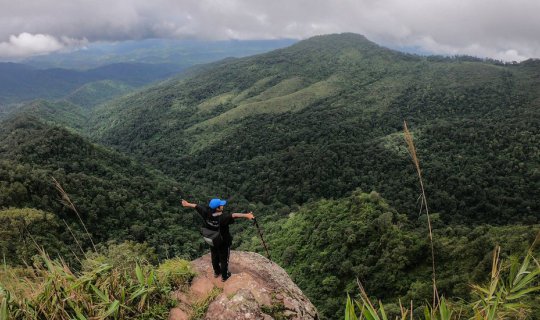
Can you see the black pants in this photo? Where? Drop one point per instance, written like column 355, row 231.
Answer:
column 220, row 259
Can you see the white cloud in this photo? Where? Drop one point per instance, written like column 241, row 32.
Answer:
column 503, row 29
column 26, row 44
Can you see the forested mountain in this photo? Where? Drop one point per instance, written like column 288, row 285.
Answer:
column 310, row 138
column 117, row 198
column 328, row 244
column 323, row 117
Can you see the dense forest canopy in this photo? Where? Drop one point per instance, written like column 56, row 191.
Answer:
column 117, row 198
column 323, row 117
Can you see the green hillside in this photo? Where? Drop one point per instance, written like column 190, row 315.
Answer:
column 323, row 117
column 94, row 93
column 327, row 244
column 117, row 198
column 61, row 113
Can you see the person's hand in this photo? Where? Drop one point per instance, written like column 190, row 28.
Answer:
column 250, row 215
column 185, row 203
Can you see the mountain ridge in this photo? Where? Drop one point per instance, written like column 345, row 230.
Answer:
column 278, row 113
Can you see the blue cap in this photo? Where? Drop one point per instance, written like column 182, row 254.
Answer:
column 215, row 203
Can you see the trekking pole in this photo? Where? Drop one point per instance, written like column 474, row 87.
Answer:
column 262, row 239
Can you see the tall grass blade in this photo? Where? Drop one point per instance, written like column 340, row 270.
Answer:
column 67, row 202
column 383, row 313
column 350, row 314
column 113, row 309
column 414, row 157
column 4, row 308
column 139, row 274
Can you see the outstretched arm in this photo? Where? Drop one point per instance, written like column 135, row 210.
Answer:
column 186, row 204
column 248, row 215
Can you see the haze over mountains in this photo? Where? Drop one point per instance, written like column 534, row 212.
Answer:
column 183, row 53
column 310, row 137
column 114, row 68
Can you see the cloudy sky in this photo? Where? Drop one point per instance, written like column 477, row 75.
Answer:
column 501, row 29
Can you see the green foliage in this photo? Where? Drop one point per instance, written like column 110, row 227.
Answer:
column 175, row 272
column 508, row 295
column 117, row 198
column 23, row 228
column 325, row 245
column 277, row 310
column 51, row 290
column 200, row 307
column 350, row 313
column 61, row 113
column 320, row 119
column 94, row 93
column 122, row 256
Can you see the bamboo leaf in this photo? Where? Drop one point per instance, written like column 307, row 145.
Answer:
column 139, row 274
column 383, row 314
column 80, row 316
column 3, row 309
column 528, row 279
column 100, row 294
column 349, row 310
column 369, row 313
column 443, row 310
column 480, row 289
column 151, row 278
column 522, row 270
column 138, row 293
column 427, row 313
column 492, row 310
column 113, row 308
column 521, row 293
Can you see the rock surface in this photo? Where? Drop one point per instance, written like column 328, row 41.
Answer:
column 257, row 289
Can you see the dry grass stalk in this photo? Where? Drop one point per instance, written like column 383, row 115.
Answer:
column 363, row 293
column 495, row 264
column 414, row 157
column 67, row 202
column 75, row 238
column 533, row 245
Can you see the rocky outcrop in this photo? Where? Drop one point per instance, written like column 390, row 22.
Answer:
column 257, row 289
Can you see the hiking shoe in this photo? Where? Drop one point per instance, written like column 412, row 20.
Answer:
column 223, row 279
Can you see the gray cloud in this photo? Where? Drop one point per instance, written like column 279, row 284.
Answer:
column 26, row 44
column 500, row 29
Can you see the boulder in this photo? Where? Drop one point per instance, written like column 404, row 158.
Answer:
column 257, row 289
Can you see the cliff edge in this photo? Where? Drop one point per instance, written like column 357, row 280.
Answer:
column 257, row 289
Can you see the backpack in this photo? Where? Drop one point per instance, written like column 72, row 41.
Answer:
column 212, row 236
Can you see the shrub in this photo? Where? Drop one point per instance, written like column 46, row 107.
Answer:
column 177, row 273
column 56, row 292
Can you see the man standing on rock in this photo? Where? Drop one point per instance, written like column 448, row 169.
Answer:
column 214, row 218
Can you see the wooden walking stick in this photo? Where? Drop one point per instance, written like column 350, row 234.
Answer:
column 262, row 239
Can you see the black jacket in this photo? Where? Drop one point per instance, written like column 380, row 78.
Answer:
column 213, row 221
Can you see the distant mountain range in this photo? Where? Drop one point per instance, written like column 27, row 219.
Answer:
column 19, row 82
column 114, row 68
column 182, row 53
